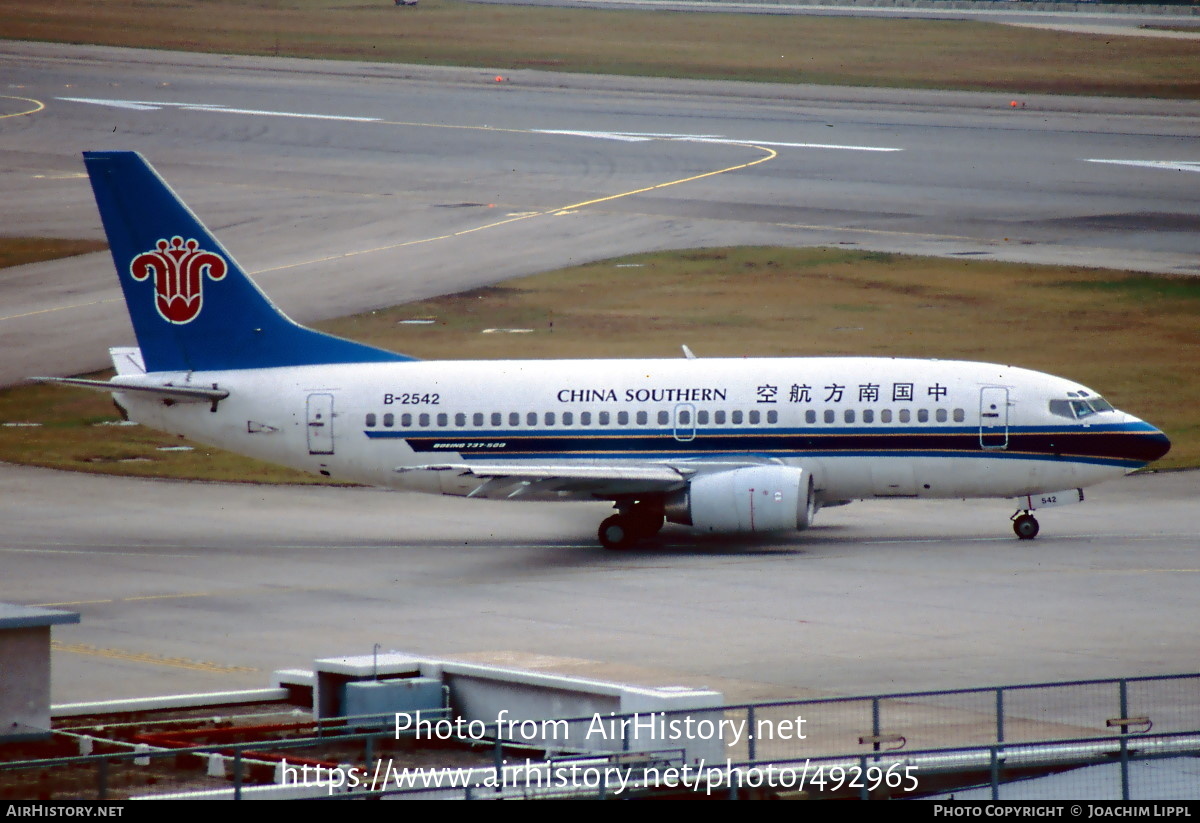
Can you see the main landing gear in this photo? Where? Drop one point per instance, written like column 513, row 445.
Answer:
column 1025, row 525
column 633, row 522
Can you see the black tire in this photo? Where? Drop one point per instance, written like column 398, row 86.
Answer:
column 646, row 527
column 1026, row 527
column 615, row 533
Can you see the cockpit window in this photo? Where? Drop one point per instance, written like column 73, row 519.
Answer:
column 1079, row 408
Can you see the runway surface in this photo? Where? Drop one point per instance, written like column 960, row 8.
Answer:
column 349, row 186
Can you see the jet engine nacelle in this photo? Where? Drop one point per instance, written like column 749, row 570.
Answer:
column 750, row 500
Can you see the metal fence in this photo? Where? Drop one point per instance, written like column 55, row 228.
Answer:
column 998, row 733
column 1116, row 767
column 1030, row 712
column 1144, row 767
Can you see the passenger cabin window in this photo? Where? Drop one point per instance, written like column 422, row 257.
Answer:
column 460, row 419
column 922, row 415
column 623, row 418
column 531, row 419
column 643, row 418
column 585, row 418
column 424, row 420
column 754, row 417
column 942, row 415
column 810, row 416
column 549, row 418
column 772, row 416
column 959, row 415
column 868, row 415
column 885, row 416
column 848, row 415
column 477, row 420
column 602, row 418
column 736, row 418
column 497, row 419
column 664, row 417
column 568, row 418
column 406, row 420
column 702, row 418
column 905, row 416
column 370, row 420
column 514, row 419
column 719, row 418
column 443, row 420
column 830, row 416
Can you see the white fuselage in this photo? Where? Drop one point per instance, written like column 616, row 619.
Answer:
column 863, row 427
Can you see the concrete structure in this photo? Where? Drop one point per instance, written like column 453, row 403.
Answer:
column 526, row 706
column 25, row 669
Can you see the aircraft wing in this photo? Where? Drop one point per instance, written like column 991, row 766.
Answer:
column 552, row 482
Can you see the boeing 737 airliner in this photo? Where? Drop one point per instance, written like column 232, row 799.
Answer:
column 724, row 446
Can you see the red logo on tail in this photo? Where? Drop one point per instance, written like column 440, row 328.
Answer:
column 178, row 268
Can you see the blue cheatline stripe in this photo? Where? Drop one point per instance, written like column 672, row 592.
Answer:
column 757, row 431
column 1128, row 446
column 484, row 455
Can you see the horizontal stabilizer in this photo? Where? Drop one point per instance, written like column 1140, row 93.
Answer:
column 180, row 394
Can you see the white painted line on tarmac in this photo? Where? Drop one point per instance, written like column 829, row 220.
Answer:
column 641, row 137
column 729, row 140
column 133, row 105
column 602, row 135
column 1173, row 165
column 12, row 550
column 144, row 105
column 264, row 113
column 621, row 136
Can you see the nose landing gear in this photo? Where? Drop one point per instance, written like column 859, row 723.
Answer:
column 1025, row 525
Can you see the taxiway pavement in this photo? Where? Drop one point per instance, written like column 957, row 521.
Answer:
column 203, row 586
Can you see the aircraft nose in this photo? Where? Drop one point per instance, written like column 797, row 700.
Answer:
column 1156, row 444
column 1143, row 442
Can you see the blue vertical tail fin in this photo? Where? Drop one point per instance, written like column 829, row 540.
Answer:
column 193, row 307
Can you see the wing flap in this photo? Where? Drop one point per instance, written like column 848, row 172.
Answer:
column 546, row 482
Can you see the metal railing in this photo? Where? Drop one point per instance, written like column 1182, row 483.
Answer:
column 1125, row 714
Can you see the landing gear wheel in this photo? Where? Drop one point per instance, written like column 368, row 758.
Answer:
column 616, row 533
column 646, row 526
column 1026, row 526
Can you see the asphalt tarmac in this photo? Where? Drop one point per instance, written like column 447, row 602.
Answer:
column 350, row 186
column 202, row 586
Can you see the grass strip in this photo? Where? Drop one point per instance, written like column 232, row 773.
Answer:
column 1135, row 338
